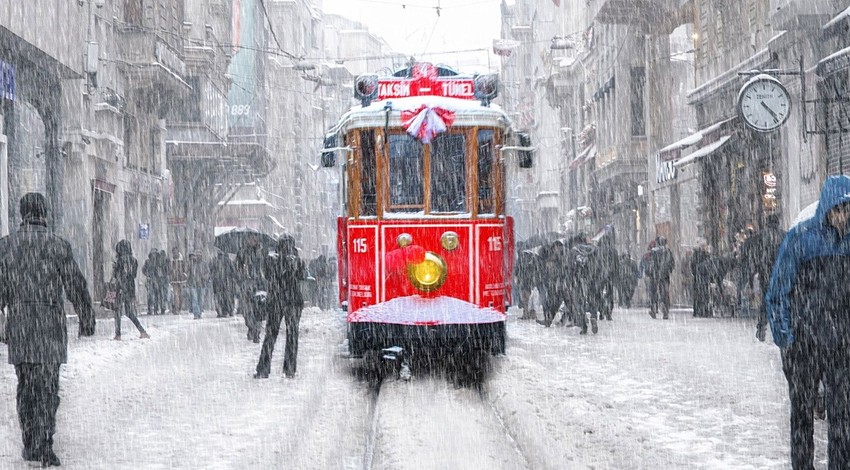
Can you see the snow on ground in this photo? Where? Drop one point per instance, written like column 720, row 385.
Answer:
column 643, row 393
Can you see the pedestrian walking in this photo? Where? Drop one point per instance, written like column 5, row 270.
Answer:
column 609, row 264
column 627, row 279
column 198, row 280
column 283, row 270
column 589, row 277
column 552, row 282
column 526, row 273
column 152, row 271
column 124, row 271
column 318, row 267
column 808, row 307
column 249, row 266
column 760, row 252
column 223, row 276
column 701, row 269
column 161, row 280
column 659, row 267
column 177, row 276
column 36, row 267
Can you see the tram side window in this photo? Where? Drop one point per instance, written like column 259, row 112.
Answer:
column 486, row 204
column 368, row 170
column 406, row 173
column 448, row 173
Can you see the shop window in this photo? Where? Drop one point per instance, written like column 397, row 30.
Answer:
column 134, row 12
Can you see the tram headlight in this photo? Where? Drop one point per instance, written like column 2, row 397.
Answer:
column 450, row 241
column 403, row 240
column 428, row 275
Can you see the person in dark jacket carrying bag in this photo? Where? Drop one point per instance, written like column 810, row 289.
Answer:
column 36, row 267
column 124, row 271
column 283, row 270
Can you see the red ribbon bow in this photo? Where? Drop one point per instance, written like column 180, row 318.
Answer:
column 427, row 122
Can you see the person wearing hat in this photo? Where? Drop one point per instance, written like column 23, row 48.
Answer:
column 37, row 270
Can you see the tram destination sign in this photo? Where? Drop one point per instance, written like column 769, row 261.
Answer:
column 463, row 88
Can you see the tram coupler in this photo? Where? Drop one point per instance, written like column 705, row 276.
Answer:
column 398, row 355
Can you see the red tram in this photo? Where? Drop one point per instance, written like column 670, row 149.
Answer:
column 425, row 246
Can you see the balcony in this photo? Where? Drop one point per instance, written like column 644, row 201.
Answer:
column 150, row 63
column 651, row 15
column 806, row 15
column 242, row 157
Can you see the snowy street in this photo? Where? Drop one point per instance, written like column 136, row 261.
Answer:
column 643, row 393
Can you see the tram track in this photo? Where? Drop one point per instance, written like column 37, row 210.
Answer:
column 372, row 420
column 435, row 420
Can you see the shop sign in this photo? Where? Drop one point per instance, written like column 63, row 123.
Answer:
column 769, row 200
column 144, row 231
column 7, row 80
column 664, row 170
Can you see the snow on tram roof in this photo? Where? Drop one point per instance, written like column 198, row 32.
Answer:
column 467, row 112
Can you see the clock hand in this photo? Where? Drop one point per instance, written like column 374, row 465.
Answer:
column 772, row 113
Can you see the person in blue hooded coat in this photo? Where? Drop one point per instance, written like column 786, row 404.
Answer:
column 808, row 303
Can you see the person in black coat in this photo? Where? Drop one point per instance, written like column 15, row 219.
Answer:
column 36, row 268
column 152, row 269
column 552, row 281
column 223, row 277
column 124, row 271
column 283, row 270
column 526, row 273
column 589, row 275
column 760, row 251
column 659, row 268
column 627, row 279
column 249, row 268
column 701, row 270
column 609, row 264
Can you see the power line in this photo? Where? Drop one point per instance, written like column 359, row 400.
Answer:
column 271, row 28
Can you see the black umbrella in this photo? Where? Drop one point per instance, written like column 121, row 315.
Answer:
column 232, row 240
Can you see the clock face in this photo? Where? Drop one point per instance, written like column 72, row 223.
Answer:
column 764, row 104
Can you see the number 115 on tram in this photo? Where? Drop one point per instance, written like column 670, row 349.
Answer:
column 425, row 248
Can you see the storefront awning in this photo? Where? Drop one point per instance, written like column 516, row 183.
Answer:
column 833, row 63
column 702, row 152
column 694, row 138
column 835, row 25
column 585, row 156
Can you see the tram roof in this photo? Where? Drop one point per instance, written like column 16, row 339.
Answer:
column 467, row 112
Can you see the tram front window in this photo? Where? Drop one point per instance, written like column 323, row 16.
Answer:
column 406, row 173
column 448, row 173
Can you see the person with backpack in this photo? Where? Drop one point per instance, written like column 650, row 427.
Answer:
column 659, row 267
